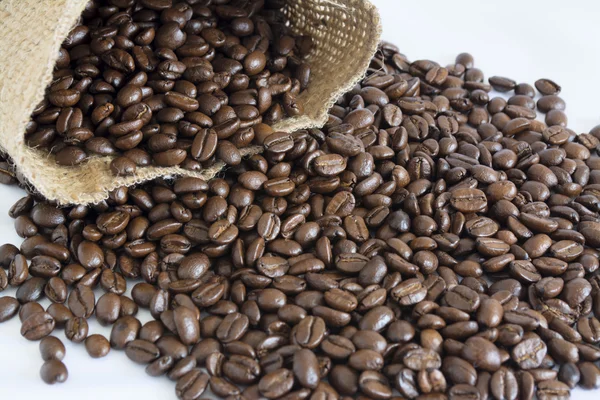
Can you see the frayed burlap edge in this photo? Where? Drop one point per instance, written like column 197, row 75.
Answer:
column 345, row 33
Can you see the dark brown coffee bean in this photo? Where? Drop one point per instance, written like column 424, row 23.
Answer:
column 468, row 200
column 276, row 383
column 482, row 353
column 546, row 86
column 82, row 301
column 590, row 375
column 186, row 324
column 124, row 330
column 503, row 384
column 76, row 329
column 54, row 371
column 529, row 353
column 97, row 346
column 37, row 326
column 9, row 307
column 306, row 368
column 459, row 371
column 192, row 384
column 51, row 348
column 142, row 351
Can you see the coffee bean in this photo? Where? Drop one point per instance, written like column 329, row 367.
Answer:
column 503, row 384
column 552, row 389
column 160, row 366
column 97, row 346
column 9, row 307
column 276, row 383
column 563, row 351
column 82, row 301
column 468, row 200
column 529, row 353
column 306, row 368
column 569, row 374
column 459, row 371
column 54, row 371
column 482, row 353
column 186, row 324
column 51, row 348
column 547, row 86
column 37, row 326
column 76, row 329
column 124, row 330
column 142, row 351
column 192, row 384
column 590, row 375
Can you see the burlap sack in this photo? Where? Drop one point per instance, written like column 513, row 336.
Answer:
column 345, row 33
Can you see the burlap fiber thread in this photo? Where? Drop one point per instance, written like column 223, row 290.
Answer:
column 345, row 34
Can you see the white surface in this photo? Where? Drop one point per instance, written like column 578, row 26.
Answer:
column 524, row 40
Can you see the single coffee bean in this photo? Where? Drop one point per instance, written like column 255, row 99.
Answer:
column 97, row 346
column 529, row 353
column 51, row 348
column 192, row 384
column 54, row 371
column 482, row 353
column 142, row 351
column 37, row 326
column 82, row 301
column 550, row 389
column 503, row 384
column 9, row 307
column 276, row 383
column 124, row 330
column 76, row 329
column 590, row 375
column 569, row 374
column 306, row 368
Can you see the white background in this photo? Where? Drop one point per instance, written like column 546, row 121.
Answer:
column 524, row 40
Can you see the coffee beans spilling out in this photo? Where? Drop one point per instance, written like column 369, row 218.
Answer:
column 432, row 241
column 170, row 83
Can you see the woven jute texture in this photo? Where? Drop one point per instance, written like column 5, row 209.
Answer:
column 345, row 35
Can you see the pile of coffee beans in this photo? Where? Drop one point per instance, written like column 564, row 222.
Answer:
column 432, row 241
column 170, row 83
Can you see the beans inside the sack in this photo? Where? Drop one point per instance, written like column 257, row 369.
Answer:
column 167, row 83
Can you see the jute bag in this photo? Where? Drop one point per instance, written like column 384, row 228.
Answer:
column 345, row 34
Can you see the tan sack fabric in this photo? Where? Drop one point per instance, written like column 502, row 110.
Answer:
column 345, row 35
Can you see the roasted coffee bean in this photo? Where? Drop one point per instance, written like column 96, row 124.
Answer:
column 459, row 371
column 125, row 330
column 51, row 348
column 76, row 329
column 142, row 351
column 529, row 353
column 186, row 325
column 276, row 384
column 482, row 353
column 503, row 384
column 306, row 368
column 569, row 374
column 192, row 384
column 54, row 371
column 9, row 307
column 82, row 301
column 97, row 346
column 37, row 326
